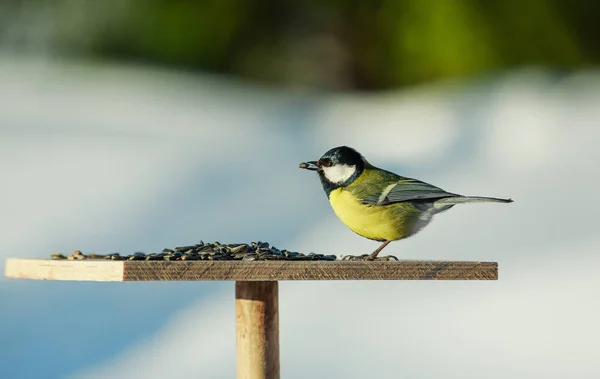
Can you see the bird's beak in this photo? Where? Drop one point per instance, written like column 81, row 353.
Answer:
column 310, row 165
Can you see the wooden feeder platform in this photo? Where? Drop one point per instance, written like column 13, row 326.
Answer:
column 256, row 288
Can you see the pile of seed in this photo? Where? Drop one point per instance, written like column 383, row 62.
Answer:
column 255, row 251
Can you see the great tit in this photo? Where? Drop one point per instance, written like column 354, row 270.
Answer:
column 378, row 204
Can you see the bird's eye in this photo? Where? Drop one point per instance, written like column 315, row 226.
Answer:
column 326, row 162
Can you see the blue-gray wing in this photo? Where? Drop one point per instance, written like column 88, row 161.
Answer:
column 407, row 189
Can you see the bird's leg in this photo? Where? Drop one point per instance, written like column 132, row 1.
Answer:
column 374, row 254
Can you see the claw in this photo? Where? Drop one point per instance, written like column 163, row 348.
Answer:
column 368, row 258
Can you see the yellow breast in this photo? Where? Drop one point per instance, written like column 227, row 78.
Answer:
column 380, row 223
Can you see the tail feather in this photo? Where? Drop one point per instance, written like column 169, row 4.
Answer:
column 471, row 199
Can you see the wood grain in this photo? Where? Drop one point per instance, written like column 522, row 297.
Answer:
column 248, row 271
column 257, row 329
column 95, row 271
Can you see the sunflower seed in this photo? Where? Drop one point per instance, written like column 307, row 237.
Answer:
column 252, row 251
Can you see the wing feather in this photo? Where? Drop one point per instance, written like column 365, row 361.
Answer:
column 407, row 189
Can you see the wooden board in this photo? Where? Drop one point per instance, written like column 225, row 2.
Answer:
column 111, row 271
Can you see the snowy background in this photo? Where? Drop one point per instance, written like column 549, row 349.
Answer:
column 120, row 158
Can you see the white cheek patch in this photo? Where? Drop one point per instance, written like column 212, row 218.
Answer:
column 339, row 173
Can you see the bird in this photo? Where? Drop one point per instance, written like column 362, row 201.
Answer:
column 378, row 204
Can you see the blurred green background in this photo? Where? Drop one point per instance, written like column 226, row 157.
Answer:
column 318, row 45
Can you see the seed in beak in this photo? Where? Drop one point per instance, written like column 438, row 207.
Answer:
column 311, row 165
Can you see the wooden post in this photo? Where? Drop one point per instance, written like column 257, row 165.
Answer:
column 257, row 329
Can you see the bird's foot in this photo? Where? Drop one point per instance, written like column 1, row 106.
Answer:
column 389, row 258
column 367, row 257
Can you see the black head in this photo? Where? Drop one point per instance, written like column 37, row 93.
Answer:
column 338, row 167
column 343, row 155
